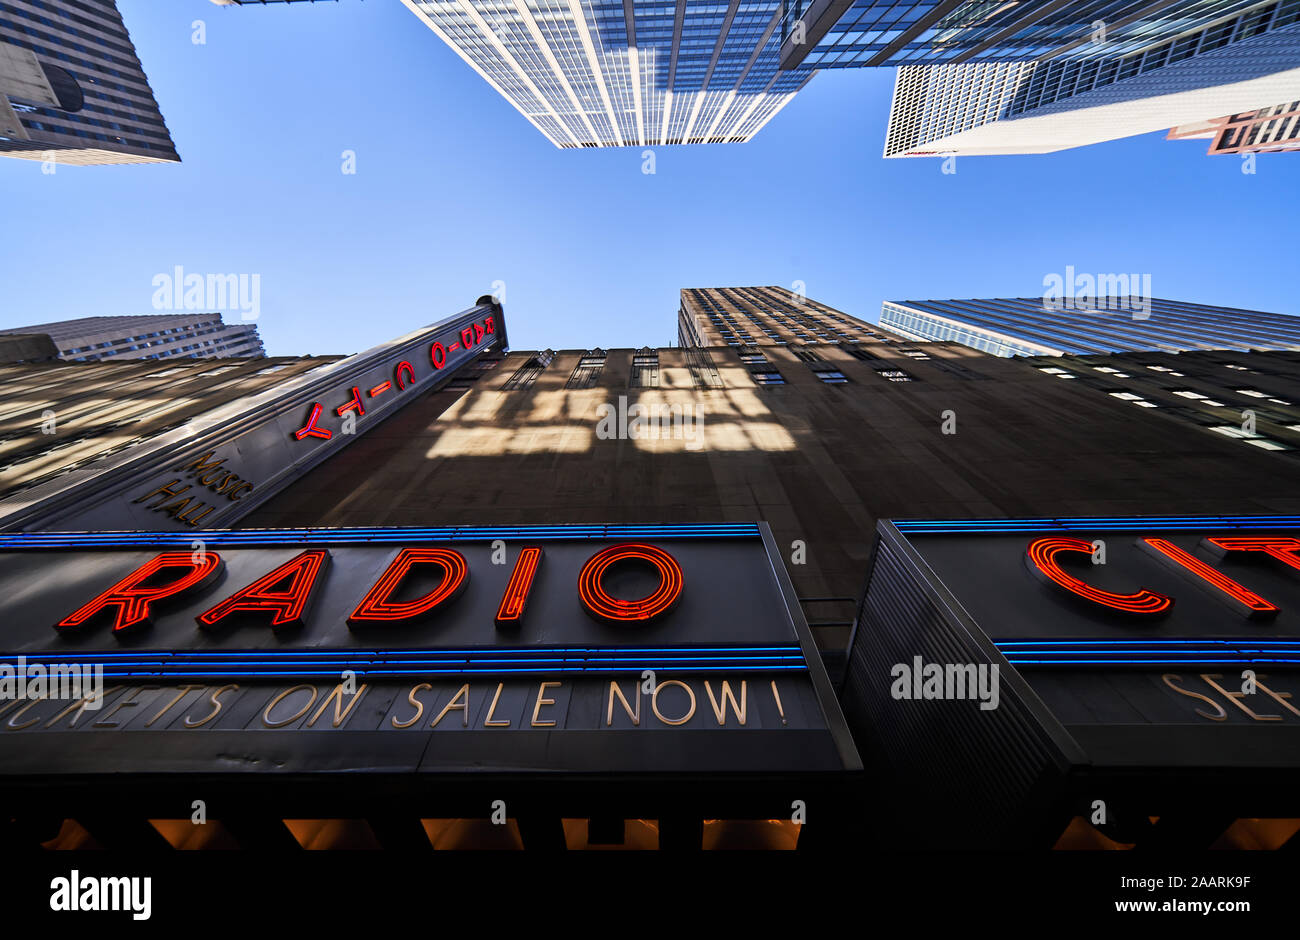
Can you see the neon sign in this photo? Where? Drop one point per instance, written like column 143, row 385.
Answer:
column 287, row 606
column 471, row 338
column 131, row 599
column 1042, row 557
column 282, row 597
column 378, row 607
column 602, row 606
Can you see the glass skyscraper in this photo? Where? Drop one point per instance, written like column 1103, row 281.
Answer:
column 609, row 73
column 1238, row 63
column 72, row 89
column 850, row 33
column 1032, row 326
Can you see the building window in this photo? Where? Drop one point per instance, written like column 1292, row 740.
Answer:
column 587, row 371
column 525, row 375
column 645, row 370
column 858, row 352
column 1256, row 393
column 895, row 375
column 703, row 371
column 807, row 355
column 1232, row 430
column 1134, row 398
column 1196, row 396
column 1059, row 373
column 769, row 377
column 830, row 376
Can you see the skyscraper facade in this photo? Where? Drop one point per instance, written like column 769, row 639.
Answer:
column 1264, row 129
column 1239, row 63
column 850, row 33
column 1250, row 398
column 1088, row 324
column 153, row 336
column 604, row 73
column 764, row 316
column 72, row 89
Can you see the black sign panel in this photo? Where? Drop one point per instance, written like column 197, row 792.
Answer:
column 575, row 650
column 1152, row 642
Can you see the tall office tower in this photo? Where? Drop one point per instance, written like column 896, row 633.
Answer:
column 604, row 73
column 1241, row 63
column 156, row 336
column 764, row 316
column 1087, row 323
column 1264, row 129
column 849, row 33
column 72, row 89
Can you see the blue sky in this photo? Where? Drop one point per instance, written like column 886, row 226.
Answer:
column 454, row 191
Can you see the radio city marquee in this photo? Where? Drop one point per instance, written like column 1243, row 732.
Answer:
column 1126, row 629
column 544, row 648
column 203, row 483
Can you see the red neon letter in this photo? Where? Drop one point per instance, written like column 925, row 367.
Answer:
column 1243, row 600
column 132, row 596
column 376, row 606
column 613, row 610
column 401, row 367
column 511, row 611
column 352, row 404
column 1284, row 550
column 288, row 604
column 438, row 355
column 1042, row 557
column 310, row 429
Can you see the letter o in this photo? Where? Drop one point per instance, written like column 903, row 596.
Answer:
column 438, row 355
column 266, row 714
column 601, row 605
column 654, row 703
